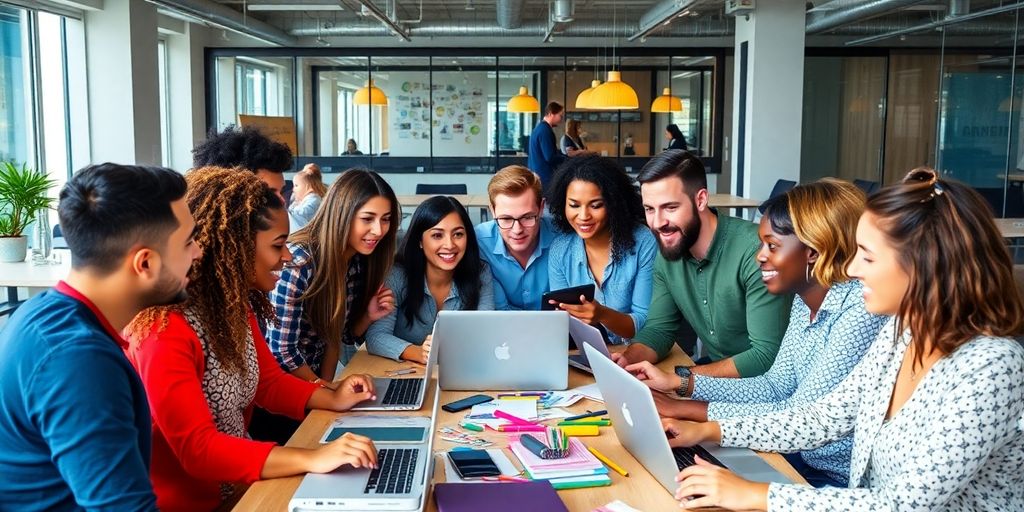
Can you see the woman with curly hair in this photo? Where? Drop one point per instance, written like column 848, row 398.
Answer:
column 204, row 363
column 605, row 241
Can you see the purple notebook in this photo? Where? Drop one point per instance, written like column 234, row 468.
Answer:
column 498, row 497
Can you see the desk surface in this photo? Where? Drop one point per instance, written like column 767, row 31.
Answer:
column 25, row 274
column 482, row 201
column 730, row 201
column 640, row 490
column 1011, row 228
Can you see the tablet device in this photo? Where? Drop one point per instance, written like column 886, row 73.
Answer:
column 396, row 434
column 569, row 295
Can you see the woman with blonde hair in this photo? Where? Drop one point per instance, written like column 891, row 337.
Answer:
column 307, row 195
column 572, row 140
column 205, row 365
column 807, row 241
column 935, row 405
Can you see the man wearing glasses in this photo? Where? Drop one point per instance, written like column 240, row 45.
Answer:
column 515, row 244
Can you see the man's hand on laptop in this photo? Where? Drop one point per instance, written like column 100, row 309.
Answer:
column 689, row 433
column 354, row 450
column 353, row 390
column 653, row 377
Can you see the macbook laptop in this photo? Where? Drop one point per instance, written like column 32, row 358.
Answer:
column 405, row 394
column 502, row 350
column 636, row 423
column 586, row 334
column 398, row 484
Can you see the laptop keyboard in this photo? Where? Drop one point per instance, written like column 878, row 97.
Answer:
column 394, row 474
column 684, row 456
column 403, row 392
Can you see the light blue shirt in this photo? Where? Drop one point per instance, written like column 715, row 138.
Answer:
column 815, row 356
column 299, row 214
column 627, row 282
column 391, row 335
column 516, row 288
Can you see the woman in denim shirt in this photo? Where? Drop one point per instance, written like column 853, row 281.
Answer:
column 605, row 241
column 438, row 268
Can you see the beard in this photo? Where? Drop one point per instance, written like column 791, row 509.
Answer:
column 168, row 291
column 689, row 234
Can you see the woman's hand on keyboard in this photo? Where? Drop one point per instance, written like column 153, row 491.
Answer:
column 707, row 485
column 353, row 390
column 355, row 450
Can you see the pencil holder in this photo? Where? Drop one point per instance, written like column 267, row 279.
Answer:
column 542, row 450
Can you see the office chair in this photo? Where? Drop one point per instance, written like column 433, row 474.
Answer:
column 781, row 187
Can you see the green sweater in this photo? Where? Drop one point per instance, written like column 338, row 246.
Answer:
column 723, row 299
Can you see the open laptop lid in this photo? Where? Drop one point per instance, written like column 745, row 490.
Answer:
column 586, row 334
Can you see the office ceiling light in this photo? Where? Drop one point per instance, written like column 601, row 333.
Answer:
column 667, row 102
column 583, row 98
column 614, row 94
column 370, row 95
column 523, row 103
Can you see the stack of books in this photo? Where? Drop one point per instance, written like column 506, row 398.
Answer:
column 580, row 469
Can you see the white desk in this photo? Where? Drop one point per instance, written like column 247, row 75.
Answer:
column 35, row 278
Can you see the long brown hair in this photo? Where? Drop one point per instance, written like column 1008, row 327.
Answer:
column 311, row 174
column 572, row 129
column 230, row 206
column 961, row 275
column 326, row 239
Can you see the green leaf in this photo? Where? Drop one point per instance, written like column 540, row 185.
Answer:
column 23, row 192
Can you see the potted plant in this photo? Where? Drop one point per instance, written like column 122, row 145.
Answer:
column 23, row 193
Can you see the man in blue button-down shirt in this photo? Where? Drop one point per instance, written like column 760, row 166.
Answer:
column 516, row 243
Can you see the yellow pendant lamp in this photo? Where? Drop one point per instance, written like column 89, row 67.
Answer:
column 666, row 102
column 523, row 103
column 614, row 94
column 370, row 95
column 583, row 98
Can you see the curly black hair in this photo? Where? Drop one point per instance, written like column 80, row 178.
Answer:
column 622, row 200
column 242, row 147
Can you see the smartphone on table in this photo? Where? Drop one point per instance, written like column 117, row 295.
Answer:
column 473, row 463
column 466, row 403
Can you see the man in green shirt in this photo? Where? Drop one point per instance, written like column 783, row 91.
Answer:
column 706, row 275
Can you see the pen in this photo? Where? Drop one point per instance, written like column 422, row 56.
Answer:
column 522, row 428
column 518, row 397
column 596, row 423
column 514, row 419
column 608, row 462
column 504, row 478
column 470, row 426
column 524, row 393
column 403, row 371
column 588, row 414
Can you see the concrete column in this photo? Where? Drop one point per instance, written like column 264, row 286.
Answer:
column 186, row 94
column 124, row 98
column 767, row 97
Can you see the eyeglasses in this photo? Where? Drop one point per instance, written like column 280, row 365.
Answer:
column 929, row 176
column 527, row 221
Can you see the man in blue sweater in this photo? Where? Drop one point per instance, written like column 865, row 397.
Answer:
column 544, row 155
column 74, row 418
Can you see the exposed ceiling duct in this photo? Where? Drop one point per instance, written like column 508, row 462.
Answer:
column 659, row 16
column 228, row 18
column 393, row 27
column 841, row 12
column 949, row 24
column 510, row 14
column 700, row 28
column 560, row 12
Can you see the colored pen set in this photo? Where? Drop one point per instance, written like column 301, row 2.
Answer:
column 555, row 447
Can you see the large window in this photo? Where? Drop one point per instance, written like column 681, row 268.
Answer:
column 253, row 86
column 16, row 118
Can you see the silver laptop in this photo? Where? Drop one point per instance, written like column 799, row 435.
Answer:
column 636, row 422
column 404, row 394
column 585, row 334
column 502, row 350
column 399, row 484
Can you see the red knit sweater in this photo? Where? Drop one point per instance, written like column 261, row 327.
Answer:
column 190, row 457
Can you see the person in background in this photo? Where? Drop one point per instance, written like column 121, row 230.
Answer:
column 675, row 138
column 204, row 363
column 438, row 268
column 572, row 139
column 706, row 274
column 604, row 242
column 627, row 145
column 306, row 198
column 544, row 156
column 351, row 148
column 807, row 242
column 516, row 243
column 75, row 418
column 246, row 148
column 935, row 405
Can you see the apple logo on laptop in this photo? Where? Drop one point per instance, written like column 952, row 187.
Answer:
column 501, row 352
column 626, row 416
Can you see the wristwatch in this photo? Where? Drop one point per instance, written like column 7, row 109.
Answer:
column 684, row 374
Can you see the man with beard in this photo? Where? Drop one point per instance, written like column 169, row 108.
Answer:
column 706, row 275
column 74, row 417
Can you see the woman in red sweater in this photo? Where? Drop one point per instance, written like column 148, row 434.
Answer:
column 204, row 362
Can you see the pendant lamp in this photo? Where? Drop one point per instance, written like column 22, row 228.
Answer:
column 370, row 95
column 523, row 103
column 666, row 102
column 583, row 98
column 614, row 94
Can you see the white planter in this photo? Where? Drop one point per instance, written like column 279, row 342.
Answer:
column 13, row 249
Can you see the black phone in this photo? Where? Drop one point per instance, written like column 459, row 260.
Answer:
column 466, row 403
column 473, row 463
column 569, row 295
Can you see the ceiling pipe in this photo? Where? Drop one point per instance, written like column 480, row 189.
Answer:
column 958, row 8
column 660, row 15
column 949, row 24
column 510, row 13
column 560, row 13
column 848, row 12
column 230, row 19
column 393, row 26
column 701, row 28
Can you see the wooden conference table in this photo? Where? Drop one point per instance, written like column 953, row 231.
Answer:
column 640, row 490
column 482, row 201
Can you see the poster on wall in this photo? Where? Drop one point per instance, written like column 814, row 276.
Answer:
column 452, row 113
column 280, row 129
